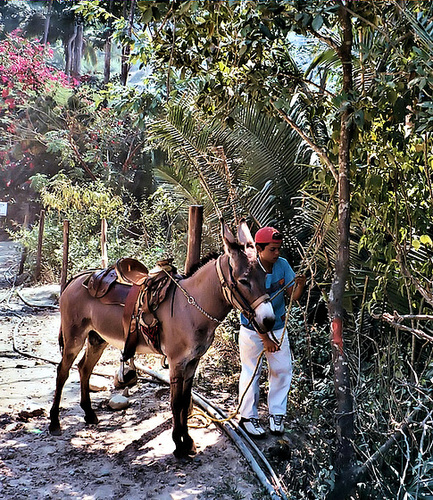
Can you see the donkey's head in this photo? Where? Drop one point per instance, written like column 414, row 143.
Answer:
column 245, row 279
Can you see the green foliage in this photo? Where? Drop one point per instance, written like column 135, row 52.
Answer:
column 50, row 125
column 249, row 168
column 164, row 226
column 157, row 233
column 58, row 193
column 395, row 201
column 239, row 56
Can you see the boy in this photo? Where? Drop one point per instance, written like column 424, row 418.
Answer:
column 251, row 343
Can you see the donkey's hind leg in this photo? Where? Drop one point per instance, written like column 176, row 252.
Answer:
column 70, row 351
column 95, row 347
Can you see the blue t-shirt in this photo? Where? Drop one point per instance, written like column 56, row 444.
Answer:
column 282, row 274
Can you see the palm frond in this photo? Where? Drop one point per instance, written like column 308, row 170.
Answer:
column 273, row 159
column 253, row 168
column 420, row 22
column 196, row 162
column 262, row 204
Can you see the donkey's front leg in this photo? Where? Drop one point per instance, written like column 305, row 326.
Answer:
column 181, row 388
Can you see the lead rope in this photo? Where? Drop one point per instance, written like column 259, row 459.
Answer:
column 208, row 419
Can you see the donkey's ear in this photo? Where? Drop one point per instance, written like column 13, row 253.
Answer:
column 245, row 238
column 244, row 235
column 227, row 236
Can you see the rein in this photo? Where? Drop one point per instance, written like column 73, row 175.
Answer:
column 230, row 292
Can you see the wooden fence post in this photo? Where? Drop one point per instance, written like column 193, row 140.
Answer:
column 104, row 256
column 25, row 249
column 40, row 240
column 64, row 275
column 195, row 226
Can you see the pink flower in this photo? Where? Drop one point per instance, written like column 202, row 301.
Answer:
column 10, row 103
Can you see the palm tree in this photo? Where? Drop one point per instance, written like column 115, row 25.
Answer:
column 252, row 168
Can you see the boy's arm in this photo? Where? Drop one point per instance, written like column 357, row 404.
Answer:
column 296, row 290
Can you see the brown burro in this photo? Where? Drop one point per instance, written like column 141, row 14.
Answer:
column 187, row 317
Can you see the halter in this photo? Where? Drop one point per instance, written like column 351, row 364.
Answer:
column 234, row 296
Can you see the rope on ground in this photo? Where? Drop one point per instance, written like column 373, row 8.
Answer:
column 211, row 409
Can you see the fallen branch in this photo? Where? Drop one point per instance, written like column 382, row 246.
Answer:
column 396, row 319
column 356, row 474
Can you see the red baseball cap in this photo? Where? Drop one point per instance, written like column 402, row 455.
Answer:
column 267, row 235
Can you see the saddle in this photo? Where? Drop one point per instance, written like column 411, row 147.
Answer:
column 125, row 271
column 130, row 284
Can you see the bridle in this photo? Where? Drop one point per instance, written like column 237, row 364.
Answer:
column 234, row 296
column 231, row 293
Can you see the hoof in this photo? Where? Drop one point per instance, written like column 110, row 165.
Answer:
column 185, row 452
column 91, row 419
column 129, row 380
column 55, row 430
column 182, row 454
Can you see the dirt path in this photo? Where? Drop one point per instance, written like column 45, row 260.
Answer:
column 128, row 455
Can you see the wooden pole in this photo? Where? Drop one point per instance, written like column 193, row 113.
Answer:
column 22, row 260
column 195, row 226
column 104, row 256
column 25, row 249
column 64, row 275
column 40, row 240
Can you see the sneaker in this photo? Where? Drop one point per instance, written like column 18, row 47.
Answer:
column 252, row 427
column 276, row 424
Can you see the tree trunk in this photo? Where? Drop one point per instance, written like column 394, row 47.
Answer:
column 107, row 49
column 77, row 52
column 47, row 22
column 69, row 52
column 126, row 48
column 107, row 59
column 345, row 455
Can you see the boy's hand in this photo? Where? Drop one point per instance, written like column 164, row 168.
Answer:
column 301, row 280
column 269, row 345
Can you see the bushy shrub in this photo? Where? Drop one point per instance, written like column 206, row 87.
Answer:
column 159, row 230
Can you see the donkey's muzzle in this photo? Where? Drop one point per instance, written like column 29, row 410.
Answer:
column 268, row 323
column 264, row 316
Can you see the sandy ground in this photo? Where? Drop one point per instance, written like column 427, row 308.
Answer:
column 128, row 455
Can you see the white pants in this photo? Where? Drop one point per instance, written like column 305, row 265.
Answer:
column 280, row 373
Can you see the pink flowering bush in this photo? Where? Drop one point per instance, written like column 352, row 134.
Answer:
column 24, row 70
column 49, row 123
column 26, row 78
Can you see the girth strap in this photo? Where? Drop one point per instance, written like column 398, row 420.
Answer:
column 130, row 328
